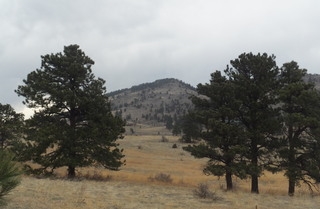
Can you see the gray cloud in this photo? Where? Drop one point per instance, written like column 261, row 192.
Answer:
column 140, row 41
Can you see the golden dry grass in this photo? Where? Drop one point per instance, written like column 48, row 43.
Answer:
column 131, row 187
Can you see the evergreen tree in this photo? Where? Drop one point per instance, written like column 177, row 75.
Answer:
column 256, row 85
column 11, row 124
column 190, row 128
column 176, row 129
column 169, row 122
column 72, row 124
column 223, row 135
column 300, row 105
column 9, row 174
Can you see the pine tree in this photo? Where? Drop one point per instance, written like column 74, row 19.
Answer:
column 9, row 174
column 72, row 125
column 256, row 85
column 300, row 109
column 190, row 128
column 223, row 136
column 11, row 124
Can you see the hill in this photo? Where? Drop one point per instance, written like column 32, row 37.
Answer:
column 161, row 102
column 313, row 78
column 156, row 103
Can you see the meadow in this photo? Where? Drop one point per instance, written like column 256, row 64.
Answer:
column 149, row 154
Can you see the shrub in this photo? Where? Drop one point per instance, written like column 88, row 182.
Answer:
column 96, row 176
column 203, row 192
column 9, row 174
column 132, row 131
column 164, row 139
column 161, row 177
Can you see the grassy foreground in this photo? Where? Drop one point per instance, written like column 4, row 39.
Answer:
column 137, row 186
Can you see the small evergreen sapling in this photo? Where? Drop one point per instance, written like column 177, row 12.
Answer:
column 9, row 175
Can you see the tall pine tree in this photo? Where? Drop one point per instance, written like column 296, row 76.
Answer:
column 300, row 110
column 72, row 124
column 256, row 84
column 223, row 136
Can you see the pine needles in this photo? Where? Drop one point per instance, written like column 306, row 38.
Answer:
column 9, row 175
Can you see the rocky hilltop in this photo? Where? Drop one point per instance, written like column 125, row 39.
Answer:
column 158, row 103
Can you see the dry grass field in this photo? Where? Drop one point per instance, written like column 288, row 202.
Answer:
column 136, row 184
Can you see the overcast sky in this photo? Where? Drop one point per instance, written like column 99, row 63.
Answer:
column 138, row 41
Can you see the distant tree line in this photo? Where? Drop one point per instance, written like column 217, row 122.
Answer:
column 256, row 116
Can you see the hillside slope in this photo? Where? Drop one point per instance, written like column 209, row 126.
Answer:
column 162, row 101
column 313, row 78
column 153, row 103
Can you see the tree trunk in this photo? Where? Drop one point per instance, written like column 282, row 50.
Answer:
column 291, row 188
column 254, row 184
column 255, row 170
column 291, row 162
column 2, row 141
column 229, row 180
column 71, row 172
column 71, row 152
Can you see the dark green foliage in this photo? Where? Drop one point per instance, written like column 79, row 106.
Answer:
column 73, row 125
column 300, row 112
column 256, row 85
column 9, row 175
column 169, row 122
column 259, row 117
column 222, row 133
column 190, row 128
column 11, row 124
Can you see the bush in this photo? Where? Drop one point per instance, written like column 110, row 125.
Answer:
column 164, row 139
column 9, row 175
column 95, row 176
column 162, row 177
column 203, row 192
